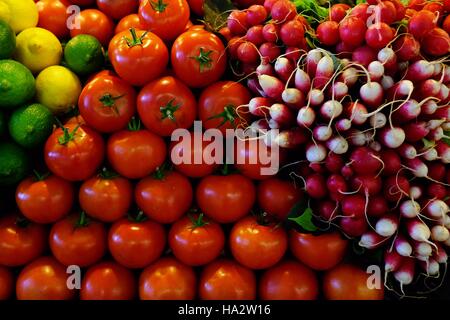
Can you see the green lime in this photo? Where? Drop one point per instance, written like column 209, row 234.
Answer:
column 31, row 125
column 17, row 84
column 14, row 164
column 2, row 123
column 84, row 54
column 7, row 39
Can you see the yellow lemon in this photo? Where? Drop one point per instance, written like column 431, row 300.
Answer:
column 58, row 88
column 21, row 14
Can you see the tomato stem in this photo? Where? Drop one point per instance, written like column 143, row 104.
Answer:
column 135, row 41
column 198, row 222
column 109, row 101
column 22, row 222
column 158, row 6
column 160, row 172
column 228, row 115
column 83, row 220
column 108, row 174
column 168, row 111
column 204, row 59
column 140, row 217
column 67, row 136
column 134, row 124
column 40, row 176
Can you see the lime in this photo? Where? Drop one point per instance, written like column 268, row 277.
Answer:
column 7, row 39
column 20, row 14
column 2, row 123
column 17, row 84
column 30, row 126
column 84, row 54
column 14, row 164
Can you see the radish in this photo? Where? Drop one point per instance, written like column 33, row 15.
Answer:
column 336, row 184
column 315, row 97
column 409, row 209
column 387, row 226
column 352, row 30
column 343, row 125
column 256, row 14
column 371, row 240
column 415, row 192
column 292, row 33
column 429, row 88
column 431, row 155
column 436, row 209
column 271, row 86
column 376, row 146
column 265, row 68
column 271, row 32
column 306, row 117
column 312, row 60
column 437, row 191
column 253, row 85
column 401, row 89
column 372, row 94
column 364, row 55
column 324, row 72
column 293, row 54
column 255, row 35
column 376, row 70
column 293, row 98
column 387, row 57
column 429, row 107
column 392, row 137
column 419, row 71
column 358, row 138
column 415, row 131
column 347, row 172
column 443, row 150
column 378, row 35
column 290, row 138
column 395, row 188
column 353, row 227
column 439, row 233
column 331, row 109
column 316, row 186
column 377, row 207
column 269, row 52
column 337, row 145
column 334, row 163
column 327, row 210
column 365, row 161
column 357, row 112
column 402, row 246
column 378, row 120
column 418, row 230
column 422, row 249
column 440, row 255
column 367, row 184
column 436, row 134
column 284, row 68
column 322, row 133
column 259, row 126
column 283, row 10
column 316, row 153
column 405, row 274
column 237, row 22
column 338, row 90
column 387, row 82
column 349, row 77
column 407, row 111
column 328, row 33
column 407, row 48
column 259, row 106
column 392, row 162
column 353, row 206
column 302, row 80
column 418, row 167
column 392, row 260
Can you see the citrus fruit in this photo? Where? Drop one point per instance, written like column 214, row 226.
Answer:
column 84, row 54
column 17, row 84
column 14, row 164
column 5, row 13
column 7, row 39
column 21, row 14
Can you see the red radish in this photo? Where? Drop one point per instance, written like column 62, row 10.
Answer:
column 328, row 33
column 419, row 71
column 372, row 94
column 316, row 186
column 290, row 138
column 431, row 155
column 331, row 109
column 357, row 112
column 436, row 42
column 260, row 125
column 248, row 53
column 407, row 48
column 338, row 11
column 271, row 86
column 418, row 230
column 407, row 111
column 377, row 207
column 395, row 188
column 336, row 184
column 367, row 184
column 353, row 206
column 344, row 50
column 293, row 98
column 283, row 10
column 337, row 145
column 387, row 57
column 429, row 107
column 421, row 23
column 302, row 80
column 255, row 35
column 436, row 209
column 400, row 9
column 284, row 68
column 436, row 171
column 349, row 77
column 306, row 117
column 440, row 255
column 353, row 227
column 315, row 97
column 265, row 68
column 316, row 153
column 358, row 138
column 269, row 51
column 443, row 93
column 317, row 167
column 439, row 233
column 443, row 150
column 431, row 267
column 392, row 137
column 273, row 124
column 376, row 146
column 402, row 246
column 392, row 162
column 322, row 133
column 376, row 70
column 387, row 12
column 409, row 209
column 405, row 274
column 437, row 190
column 379, row 35
column 256, row 14
column 324, row 72
column 343, row 125
column 415, row 192
column 422, row 249
column 237, row 22
column 392, row 260
column 338, row 90
column 415, row 131
column 387, row 82
column 294, row 54
column 371, row 240
column 364, row 55
column 360, row 11
column 378, row 120
column 271, row 32
column 365, row 161
column 352, row 30
column 327, row 210
column 407, row 151
column 292, row 33
column 253, row 85
column 281, row 114
column 268, row 4
column 334, row 163
column 429, row 88
column 233, row 45
column 347, row 171
column 312, row 60
column 387, row 226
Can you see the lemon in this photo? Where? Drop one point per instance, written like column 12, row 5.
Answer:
column 37, row 49
column 20, row 14
column 58, row 89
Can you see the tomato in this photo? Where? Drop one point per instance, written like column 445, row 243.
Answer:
column 83, row 2
column 319, row 252
column 138, row 56
column 128, row 22
column 136, row 244
column 107, row 103
column 289, row 280
column 166, row 197
column 76, row 120
column 44, row 199
column 348, row 282
column 167, row 279
column 227, row 280
column 20, row 241
column 136, row 153
column 43, row 279
column 6, row 283
column 277, row 197
column 53, row 16
column 106, row 197
column 76, row 240
column 198, row 58
column 108, row 281
column 193, row 158
column 165, row 105
column 226, row 198
column 255, row 245
column 166, row 18
column 197, row 7
column 196, row 241
column 95, row 23
column 117, row 9
column 223, row 105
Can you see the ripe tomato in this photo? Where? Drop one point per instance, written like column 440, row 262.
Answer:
column 227, row 280
column 319, row 252
column 136, row 244
column 20, row 241
column 117, row 9
column 165, row 105
column 74, row 152
column 196, row 241
column 198, row 58
column 53, row 16
column 167, row 279
column 95, row 23
column 43, row 279
column 347, row 282
column 6, row 283
column 289, row 280
column 138, row 57
column 277, row 197
column 135, row 153
column 106, row 197
column 107, row 103
column 108, row 281
column 128, row 22
column 165, row 197
column 255, row 245
column 197, row 7
column 226, row 198
column 44, row 199
column 76, row 240
column 221, row 106
column 165, row 18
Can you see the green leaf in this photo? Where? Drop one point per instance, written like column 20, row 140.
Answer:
column 305, row 220
column 447, row 140
column 216, row 13
column 428, row 144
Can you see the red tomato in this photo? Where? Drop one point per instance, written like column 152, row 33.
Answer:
column 107, row 103
column 53, row 16
column 137, row 56
column 321, row 252
column 6, row 283
column 137, row 153
column 347, row 282
column 198, row 58
column 227, row 280
column 43, row 279
column 167, row 279
column 20, row 241
column 108, row 281
column 223, row 105
column 277, row 197
column 76, row 120
column 76, row 240
column 197, row 6
column 164, row 198
column 44, row 199
column 74, row 152
column 96, row 24
column 165, row 18
column 289, row 280
column 226, row 198
column 136, row 244
column 117, row 9
column 196, row 241
column 106, row 198
column 128, row 22
column 257, row 246
column 165, row 105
